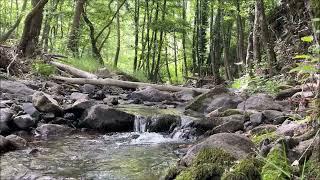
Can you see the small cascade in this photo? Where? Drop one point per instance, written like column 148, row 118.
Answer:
column 140, row 124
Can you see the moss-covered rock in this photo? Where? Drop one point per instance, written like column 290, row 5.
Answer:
column 277, row 166
column 172, row 173
column 312, row 169
column 247, row 169
column 257, row 139
column 208, row 164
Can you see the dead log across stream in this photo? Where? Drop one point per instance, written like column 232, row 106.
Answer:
column 127, row 84
column 74, row 71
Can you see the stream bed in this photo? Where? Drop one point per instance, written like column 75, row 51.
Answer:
column 84, row 156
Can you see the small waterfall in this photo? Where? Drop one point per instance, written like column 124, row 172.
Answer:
column 140, row 124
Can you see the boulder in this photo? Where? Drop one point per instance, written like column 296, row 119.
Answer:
column 107, row 119
column 151, row 94
column 88, row 88
column 47, row 130
column 77, row 96
column 45, row 103
column 5, row 118
column 184, row 96
column 99, row 95
column 223, row 102
column 163, row 123
column 256, row 119
column 31, row 110
column 24, row 121
column 289, row 128
column 5, row 145
column 16, row 89
column 201, row 103
column 260, row 102
column 275, row 117
column 237, row 145
column 111, row 100
column 263, row 129
column 17, row 141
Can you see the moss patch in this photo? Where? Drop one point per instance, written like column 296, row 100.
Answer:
column 277, row 166
column 247, row 169
column 208, row 164
column 258, row 138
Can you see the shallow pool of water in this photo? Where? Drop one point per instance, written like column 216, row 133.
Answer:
column 83, row 156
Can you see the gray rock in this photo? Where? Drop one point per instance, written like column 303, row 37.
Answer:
column 83, row 104
column 163, row 123
column 5, row 145
column 45, row 103
column 107, row 119
column 24, row 121
column 88, row 88
column 288, row 128
column 223, row 102
column 151, row 94
column 263, row 129
column 184, row 95
column 111, row 100
column 31, row 110
column 16, row 89
column 237, row 145
column 275, row 117
column 231, row 123
column 77, row 96
column 260, row 102
column 256, row 118
column 47, row 130
column 17, row 141
column 5, row 118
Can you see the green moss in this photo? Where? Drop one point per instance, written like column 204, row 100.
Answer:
column 172, row 173
column 213, row 155
column 258, row 138
column 247, row 169
column 230, row 112
column 277, row 166
column 208, row 164
column 312, row 170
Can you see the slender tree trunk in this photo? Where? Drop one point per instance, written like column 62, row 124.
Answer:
column 74, row 36
column 116, row 59
column 136, row 19
column 267, row 39
column 155, row 44
column 226, row 44
column 240, row 44
column 256, row 35
column 32, row 27
column 249, row 57
column 167, row 66
column 184, row 34
column 175, row 54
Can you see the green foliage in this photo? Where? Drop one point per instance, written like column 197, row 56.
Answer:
column 276, row 165
column 43, row 69
column 257, row 84
column 87, row 64
column 312, row 169
column 258, row 138
column 247, row 169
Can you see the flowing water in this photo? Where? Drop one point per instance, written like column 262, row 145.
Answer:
column 136, row 155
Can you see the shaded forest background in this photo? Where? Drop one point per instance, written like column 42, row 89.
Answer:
column 166, row 40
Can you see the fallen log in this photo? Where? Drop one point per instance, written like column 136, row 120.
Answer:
column 127, row 84
column 74, row 71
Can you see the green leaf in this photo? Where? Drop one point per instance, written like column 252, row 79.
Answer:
column 304, row 68
column 315, row 19
column 302, row 56
column 308, row 39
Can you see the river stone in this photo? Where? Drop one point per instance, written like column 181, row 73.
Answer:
column 107, row 119
column 16, row 89
column 237, row 145
column 17, row 141
column 260, row 102
column 185, row 95
column 5, row 145
column 163, row 123
column 77, row 96
column 24, row 121
column 88, row 88
column 5, row 118
column 151, row 94
column 45, row 103
column 256, row 119
column 288, row 128
column 211, row 100
column 46, row 130
column 275, row 117
column 31, row 110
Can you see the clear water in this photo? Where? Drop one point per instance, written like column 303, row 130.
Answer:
column 83, row 156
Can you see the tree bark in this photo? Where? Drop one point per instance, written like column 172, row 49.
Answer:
column 136, row 43
column 256, row 35
column 73, row 42
column 116, row 58
column 32, row 28
column 74, row 71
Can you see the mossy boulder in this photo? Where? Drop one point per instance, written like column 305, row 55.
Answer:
column 247, row 169
column 208, row 164
column 277, row 166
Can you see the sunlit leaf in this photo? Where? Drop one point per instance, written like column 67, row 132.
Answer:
column 305, row 68
column 307, row 39
column 302, row 56
column 315, row 19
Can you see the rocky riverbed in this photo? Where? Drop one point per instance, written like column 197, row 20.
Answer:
column 52, row 130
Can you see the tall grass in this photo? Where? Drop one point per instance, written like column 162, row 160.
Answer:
column 85, row 63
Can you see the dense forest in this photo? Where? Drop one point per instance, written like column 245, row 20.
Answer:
column 231, row 88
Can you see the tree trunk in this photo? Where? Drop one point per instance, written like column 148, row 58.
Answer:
column 267, row 39
column 32, row 27
column 116, row 58
column 256, row 35
column 240, row 44
column 136, row 19
column 184, row 34
column 226, row 43
column 73, row 42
